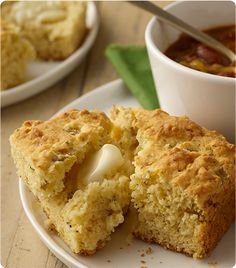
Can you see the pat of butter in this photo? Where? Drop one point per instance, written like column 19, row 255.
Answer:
column 105, row 161
column 39, row 11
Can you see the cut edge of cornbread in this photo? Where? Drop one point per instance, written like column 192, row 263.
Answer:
column 87, row 220
column 44, row 151
column 183, row 184
column 48, row 156
column 182, row 187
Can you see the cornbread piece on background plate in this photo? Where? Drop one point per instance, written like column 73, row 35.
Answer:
column 58, row 160
column 55, row 28
column 183, row 187
column 16, row 53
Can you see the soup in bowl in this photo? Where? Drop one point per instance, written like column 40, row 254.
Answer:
column 205, row 97
column 191, row 53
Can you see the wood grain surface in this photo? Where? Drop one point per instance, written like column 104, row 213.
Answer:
column 120, row 23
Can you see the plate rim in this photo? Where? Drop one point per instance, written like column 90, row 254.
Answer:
column 39, row 229
column 95, row 91
column 77, row 55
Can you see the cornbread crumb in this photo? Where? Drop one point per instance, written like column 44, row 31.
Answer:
column 49, row 225
column 149, row 251
column 212, row 263
column 143, row 262
column 51, row 228
column 129, row 239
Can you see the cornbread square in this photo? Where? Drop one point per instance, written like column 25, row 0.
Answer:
column 48, row 156
column 16, row 53
column 183, row 187
column 55, row 28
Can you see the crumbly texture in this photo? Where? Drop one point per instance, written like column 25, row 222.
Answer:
column 124, row 133
column 85, row 218
column 55, row 28
column 46, row 150
column 183, row 184
column 16, row 53
column 48, row 156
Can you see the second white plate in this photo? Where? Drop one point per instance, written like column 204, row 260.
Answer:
column 44, row 73
column 121, row 251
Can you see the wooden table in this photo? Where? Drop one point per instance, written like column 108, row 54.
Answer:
column 120, row 23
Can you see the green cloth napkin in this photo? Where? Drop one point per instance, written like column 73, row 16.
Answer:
column 132, row 64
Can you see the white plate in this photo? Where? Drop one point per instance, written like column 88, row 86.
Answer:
column 112, row 255
column 43, row 74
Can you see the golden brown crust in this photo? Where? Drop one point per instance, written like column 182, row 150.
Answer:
column 189, row 156
column 182, row 187
column 190, row 171
column 52, row 140
column 49, row 155
column 157, row 124
column 51, row 148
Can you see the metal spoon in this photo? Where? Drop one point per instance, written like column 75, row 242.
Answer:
column 186, row 28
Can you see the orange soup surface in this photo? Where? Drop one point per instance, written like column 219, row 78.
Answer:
column 191, row 53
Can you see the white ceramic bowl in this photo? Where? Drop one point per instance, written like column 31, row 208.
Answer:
column 207, row 99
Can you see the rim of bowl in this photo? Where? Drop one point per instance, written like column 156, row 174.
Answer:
column 172, row 63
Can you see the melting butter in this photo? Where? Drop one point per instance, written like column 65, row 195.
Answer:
column 39, row 11
column 105, row 161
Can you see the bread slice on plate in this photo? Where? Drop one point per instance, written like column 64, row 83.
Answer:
column 183, row 187
column 58, row 160
column 55, row 28
column 86, row 169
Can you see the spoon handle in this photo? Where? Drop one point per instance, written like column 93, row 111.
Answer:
column 184, row 27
